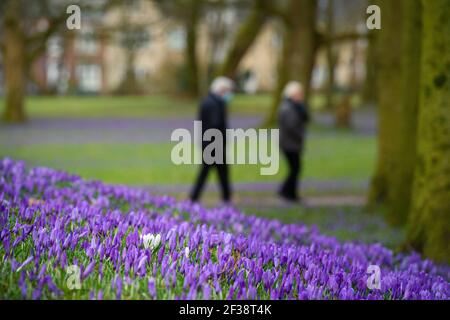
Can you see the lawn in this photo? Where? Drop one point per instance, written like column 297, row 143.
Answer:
column 338, row 157
column 330, row 154
column 130, row 106
column 145, row 106
column 346, row 223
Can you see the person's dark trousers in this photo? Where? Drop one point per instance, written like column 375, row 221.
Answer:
column 290, row 185
column 222, row 170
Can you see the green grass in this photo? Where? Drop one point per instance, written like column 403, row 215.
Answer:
column 345, row 223
column 147, row 106
column 342, row 156
column 130, row 106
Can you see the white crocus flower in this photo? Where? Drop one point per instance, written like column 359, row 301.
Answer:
column 156, row 241
column 151, row 241
column 147, row 239
column 186, row 252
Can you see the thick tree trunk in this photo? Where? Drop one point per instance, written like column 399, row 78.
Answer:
column 389, row 52
column 14, row 62
column 398, row 83
column 245, row 37
column 429, row 219
column 402, row 177
column 300, row 44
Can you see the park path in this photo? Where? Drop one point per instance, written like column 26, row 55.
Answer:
column 323, row 193
column 316, row 186
column 104, row 130
column 138, row 130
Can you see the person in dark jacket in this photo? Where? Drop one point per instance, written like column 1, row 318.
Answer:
column 293, row 117
column 213, row 115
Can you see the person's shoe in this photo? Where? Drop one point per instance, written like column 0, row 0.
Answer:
column 289, row 198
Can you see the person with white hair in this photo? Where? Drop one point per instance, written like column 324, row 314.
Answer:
column 213, row 115
column 293, row 117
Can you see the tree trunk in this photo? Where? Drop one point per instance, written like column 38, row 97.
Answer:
column 192, row 84
column 244, row 39
column 331, row 62
column 130, row 84
column 14, row 62
column 369, row 94
column 429, row 220
column 331, row 56
column 343, row 112
column 402, row 177
column 300, row 44
column 389, row 52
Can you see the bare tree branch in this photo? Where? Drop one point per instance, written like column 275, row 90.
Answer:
column 273, row 9
column 38, row 41
column 245, row 37
column 350, row 36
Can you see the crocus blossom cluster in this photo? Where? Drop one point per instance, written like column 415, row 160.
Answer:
column 64, row 237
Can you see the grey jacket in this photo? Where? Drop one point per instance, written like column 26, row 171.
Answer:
column 292, row 120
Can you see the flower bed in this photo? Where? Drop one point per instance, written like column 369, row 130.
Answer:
column 63, row 237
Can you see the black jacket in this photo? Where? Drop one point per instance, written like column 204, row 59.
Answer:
column 292, row 118
column 213, row 115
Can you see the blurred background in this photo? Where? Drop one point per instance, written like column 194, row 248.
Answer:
column 101, row 101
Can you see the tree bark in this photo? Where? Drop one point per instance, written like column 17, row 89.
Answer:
column 245, row 37
column 130, row 84
column 398, row 86
column 402, row 177
column 429, row 220
column 191, row 49
column 300, row 43
column 331, row 56
column 369, row 93
column 14, row 62
column 389, row 51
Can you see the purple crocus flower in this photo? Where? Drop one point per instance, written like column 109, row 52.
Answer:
column 88, row 270
column 118, row 287
column 236, row 255
column 206, row 292
column 27, row 261
column 152, row 288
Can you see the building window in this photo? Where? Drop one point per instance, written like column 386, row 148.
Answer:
column 52, row 73
column 89, row 77
column 54, row 55
column 55, row 47
column 177, row 39
column 87, row 44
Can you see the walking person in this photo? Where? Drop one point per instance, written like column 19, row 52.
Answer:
column 213, row 115
column 293, row 117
